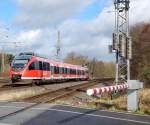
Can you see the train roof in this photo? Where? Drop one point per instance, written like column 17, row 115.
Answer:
column 31, row 54
column 62, row 63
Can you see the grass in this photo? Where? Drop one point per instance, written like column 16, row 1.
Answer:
column 119, row 103
column 144, row 101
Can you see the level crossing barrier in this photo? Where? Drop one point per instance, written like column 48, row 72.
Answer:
column 108, row 89
column 132, row 86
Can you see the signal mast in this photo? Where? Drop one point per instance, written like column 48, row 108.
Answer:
column 58, row 47
column 121, row 41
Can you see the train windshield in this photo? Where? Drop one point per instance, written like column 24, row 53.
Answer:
column 19, row 62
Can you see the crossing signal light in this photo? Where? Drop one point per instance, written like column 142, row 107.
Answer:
column 110, row 48
column 122, row 45
column 129, row 48
column 115, row 43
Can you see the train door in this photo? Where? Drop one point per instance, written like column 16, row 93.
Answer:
column 46, row 70
column 60, row 71
column 40, row 73
column 52, row 70
column 34, row 70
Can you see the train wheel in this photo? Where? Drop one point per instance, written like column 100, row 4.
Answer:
column 33, row 83
column 37, row 82
column 13, row 82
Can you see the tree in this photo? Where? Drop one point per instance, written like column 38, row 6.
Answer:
column 96, row 68
column 140, row 64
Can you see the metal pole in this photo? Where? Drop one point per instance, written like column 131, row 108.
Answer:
column 128, row 59
column 128, row 69
column 117, row 54
column 117, row 68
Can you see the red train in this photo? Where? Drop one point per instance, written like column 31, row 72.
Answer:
column 30, row 66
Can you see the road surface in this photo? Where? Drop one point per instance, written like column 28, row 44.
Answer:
column 48, row 114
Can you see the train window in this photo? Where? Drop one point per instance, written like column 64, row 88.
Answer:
column 46, row 66
column 40, row 65
column 65, row 70
column 56, row 70
column 62, row 70
column 36, row 64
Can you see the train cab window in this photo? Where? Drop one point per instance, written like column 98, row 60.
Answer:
column 32, row 66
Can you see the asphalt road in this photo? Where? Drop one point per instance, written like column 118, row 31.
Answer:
column 46, row 114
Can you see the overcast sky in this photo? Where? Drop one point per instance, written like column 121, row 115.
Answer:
column 85, row 25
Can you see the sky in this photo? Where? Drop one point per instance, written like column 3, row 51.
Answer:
column 85, row 25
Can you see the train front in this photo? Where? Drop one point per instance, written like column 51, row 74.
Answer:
column 17, row 67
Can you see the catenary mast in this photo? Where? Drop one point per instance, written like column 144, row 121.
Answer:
column 122, row 41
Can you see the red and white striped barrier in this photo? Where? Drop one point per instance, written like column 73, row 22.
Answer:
column 108, row 89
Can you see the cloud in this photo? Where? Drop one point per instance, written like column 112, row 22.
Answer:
column 42, row 13
column 139, row 11
column 90, row 38
column 29, row 37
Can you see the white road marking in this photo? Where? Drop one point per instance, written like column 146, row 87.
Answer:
column 22, row 102
column 121, row 119
column 117, row 112
column 73, row 112
column 85, row 108
column 4, row 124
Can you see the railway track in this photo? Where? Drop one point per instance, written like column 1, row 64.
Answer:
column 63, row 92
column 53, row 96
column 8, row 86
